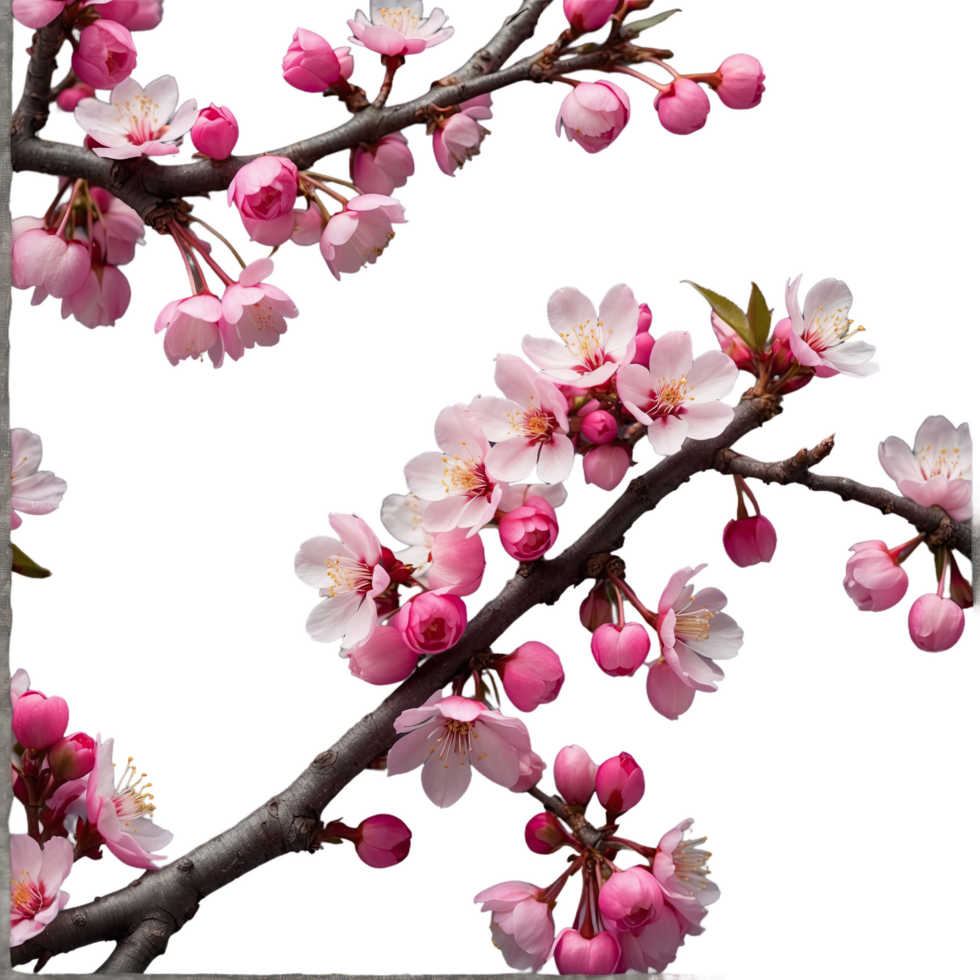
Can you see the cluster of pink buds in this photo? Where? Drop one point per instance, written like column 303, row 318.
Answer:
column 628, row 918
column 68, row 789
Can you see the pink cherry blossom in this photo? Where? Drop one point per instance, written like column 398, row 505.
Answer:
column 384, row 840
column 935, row 623
column 137, row 15
column 105, row 55
column 46, row 260
column 192, row 326
column 256, row 309
column 456, row 561
column 529, row 425
column 605, row 466
column 575, row 775
column 308, row 226
column 677, row 398
column 38, row 13
column 119, row 228
column 348, row 574
column 215, row 132
column 356, row 236
column 383, row 658
column 620, row 650
column 749, row 540
column 532, row 675
column 311, row 64
column 600, row 427
column 593, row 114
column 456, row 481
column 527, row 532
column 265, row 188
column 821, row 329
column 532, row 768
column 574, row 954
column 399, row 30
column 137, row 121
column 619, row 784
column 521, row 925
column 589, row 15
column 683, row 109
column 378, row 168
column 432, row 622
column 654, row 946
column 122, row 811
column 101, row 300
column 631, row 899
column 592, row 347
column 874, row 579
column 741, row 81
column 39, row 721
column 458, row 138
column 938, row 471
column 32, row 491
column 448, row 735
column 35, row 887
column 681, row 868
column 69, row 98
column 668, row 694
column 694, row 632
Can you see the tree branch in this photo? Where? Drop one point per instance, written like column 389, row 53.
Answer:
column 141, row 917
column 583, row 830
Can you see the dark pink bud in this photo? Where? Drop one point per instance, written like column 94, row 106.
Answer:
column 311, row 64
column 644, row 320
column 73, row 756
column 600, row 427
column 596, row 957
column 596, row 609
column 749, row 540
column 605, row 466
column 105, row 56
column 960, row 590
column 935, row 624
column 216, row 132
column 544, row 834
column 589, row 15
column 382, row 841
column 137, row 15
column 733, row 345
column 531, row 675
column 741, row 82
column 683, row 109
column 644, row 346
column 780, row 352
column 431, row 623
column 620, row 650
column 70, row 97
column 575, row 775
column 619, row 784
column 668, row 694
column 265, row 188
column 39, row 721
column 529, row 531
column 631, row 899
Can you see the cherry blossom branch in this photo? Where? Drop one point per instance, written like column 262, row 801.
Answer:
column 581, row 828
column 146, row 186
column 141, row 917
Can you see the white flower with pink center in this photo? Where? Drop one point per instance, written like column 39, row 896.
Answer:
column 137, row 121
column 455, row 481
column 446, row 736
column 399, row 28
column 592, row 345
column 677, row 398
column 529, row 426
column 938, row 470
column 694, row 632
column 348, row 574
column 32, row 491
column 821, row 329
column 36, row 877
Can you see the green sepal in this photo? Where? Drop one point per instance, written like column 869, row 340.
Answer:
column 638, row 26
column 759, row 318
column 24, row 565
column 727, row 311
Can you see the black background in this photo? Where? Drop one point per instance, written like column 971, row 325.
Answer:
column 827, row 771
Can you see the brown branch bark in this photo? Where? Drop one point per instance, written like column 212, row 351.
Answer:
column 141, row 917
column 581, row 827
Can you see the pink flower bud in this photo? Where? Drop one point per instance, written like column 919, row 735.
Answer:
column 620, row 650
column 137, row 15
column 605, row 466
column 105, row 56
column 458, row 562
column 619, row 784
column 69, row 98
column 683, row 109
column 37, row 13
column 780, row 352
column 668, row 694
column 733, row 345
column 644, row 334
column 529, row 531
column 378, row 168
column 589, row 15
column 73, row 756
column 575, row 775
column 749, row 540
column 40, row 258
column 265, row 188
column 311, row 64
column 382, row 841
column 533, row 766
column 594, row 114
column 741, row 82
column 600, row 427
column 384, row 658
column 531, row 675
column 935, row 624
column 631, row 899
column 544, row 834
column 596, row 609
column 873, row 578
column 596, row 957
column 458, row 139
column 216, row 132
column 431, row 622
column 40, row 721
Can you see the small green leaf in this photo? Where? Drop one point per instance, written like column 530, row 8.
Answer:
column 727, row 311
column 638, row 26
column 760, row 319
column 24, row 565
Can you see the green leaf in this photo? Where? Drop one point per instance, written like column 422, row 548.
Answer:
column 760, row 319
column 638, row 26
column 24, row 565
column 727, row 311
